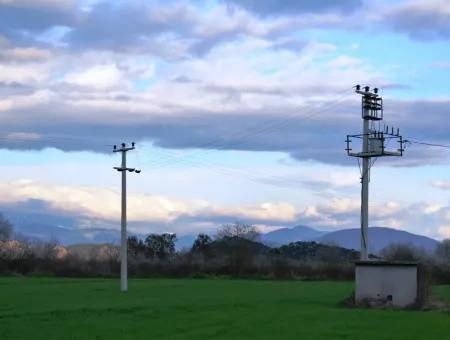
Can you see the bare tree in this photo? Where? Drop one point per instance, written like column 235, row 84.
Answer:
column 6, row 229
column 237, row 229
column 443, row 251
column 403, row 252
column 239, row 238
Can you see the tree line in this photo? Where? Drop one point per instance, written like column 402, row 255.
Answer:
column 234, row 251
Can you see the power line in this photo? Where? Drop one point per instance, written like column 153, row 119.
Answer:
column 428, row 144
column 222, row 144
column 254, row 175
column 261, row 177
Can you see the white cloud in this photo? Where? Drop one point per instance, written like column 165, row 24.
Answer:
column 443, row 185
column 25, row 53
column 432, row 208
column 97, row 203
column 98, row 77
column 104, row 204
column 30, row 73
column 343, row 205
column 282, row 212
column 444, row 231
column 94, row 205
column 34, row 99
column 23, row 136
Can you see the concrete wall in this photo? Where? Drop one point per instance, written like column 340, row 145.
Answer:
column 378, row 281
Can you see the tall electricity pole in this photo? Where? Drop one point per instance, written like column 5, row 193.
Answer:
column 374, row 142
column 123, row 226
column 365, row 183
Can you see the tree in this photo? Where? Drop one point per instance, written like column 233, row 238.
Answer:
column 403, row 252
column 201, row 243
column 135, row 246
column 443, row 251
column 240, row 239
column 237, row 229
column 6, row 229
column 160, row 246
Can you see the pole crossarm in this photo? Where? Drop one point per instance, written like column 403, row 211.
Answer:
column 124, row 149
column 125, row 169
column 378, row 144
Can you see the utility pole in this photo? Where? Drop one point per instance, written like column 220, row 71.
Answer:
column 374, row 142
column 365, row 189
column 123, row 227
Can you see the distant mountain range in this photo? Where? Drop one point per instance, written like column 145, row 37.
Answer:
column 67, row 236
column 379, row 238
column 346, row 238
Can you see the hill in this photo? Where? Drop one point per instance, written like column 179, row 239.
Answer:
column 227, row 245
column 316, row 251
column 287, row 235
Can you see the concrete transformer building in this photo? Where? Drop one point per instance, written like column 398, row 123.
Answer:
column 398, row 284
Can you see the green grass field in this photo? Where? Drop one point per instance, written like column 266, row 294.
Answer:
column 47, row 308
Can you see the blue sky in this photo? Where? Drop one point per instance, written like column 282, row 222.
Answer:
column 239, row 108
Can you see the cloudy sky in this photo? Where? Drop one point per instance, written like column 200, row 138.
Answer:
column 239, row 108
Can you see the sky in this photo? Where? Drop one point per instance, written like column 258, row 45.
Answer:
column 239, row 110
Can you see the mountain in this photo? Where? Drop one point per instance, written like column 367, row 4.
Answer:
column 379, row 238
column 185, row 242
column 66, row 230
column 66, row 236
column 287, row 235
column 74, row 235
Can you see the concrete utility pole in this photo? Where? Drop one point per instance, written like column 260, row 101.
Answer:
column 123, row 227
column 374, row 144
column 365, row 188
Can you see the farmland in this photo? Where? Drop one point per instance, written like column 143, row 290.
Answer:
column 54, row 308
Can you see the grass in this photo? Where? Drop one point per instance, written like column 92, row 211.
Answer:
column 50, row 308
